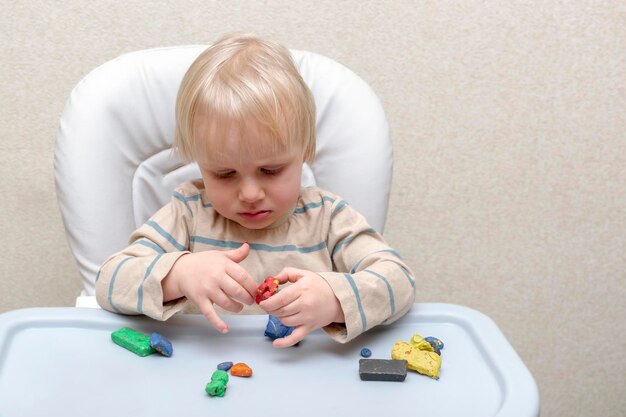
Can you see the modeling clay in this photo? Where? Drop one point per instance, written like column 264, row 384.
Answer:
column 221, row 376
column 366, row 353
column 224, row 366
column 275, row 329
column 161, row 344
column 420, row 343
column 382, row 370
column 419, row 355
column 435, row 343
column 134, row 341
column 217, row 386
column 267, row 288
column 240, row 369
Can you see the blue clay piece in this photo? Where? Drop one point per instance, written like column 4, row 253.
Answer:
column 366, row 353
column 160, row 343
column 224, row 366
column 275, row 329
column 435, row 343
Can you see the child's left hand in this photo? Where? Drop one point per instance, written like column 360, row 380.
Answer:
column 308, row 304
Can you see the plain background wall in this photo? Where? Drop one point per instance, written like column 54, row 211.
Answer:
column 508, row 121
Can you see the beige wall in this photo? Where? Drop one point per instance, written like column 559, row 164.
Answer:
column 508, row 121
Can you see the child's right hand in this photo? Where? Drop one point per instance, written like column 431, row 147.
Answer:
column 212, row 277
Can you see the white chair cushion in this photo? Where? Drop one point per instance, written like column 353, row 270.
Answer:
column 114, row 167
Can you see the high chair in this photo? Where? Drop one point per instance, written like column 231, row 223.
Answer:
column 114, row 168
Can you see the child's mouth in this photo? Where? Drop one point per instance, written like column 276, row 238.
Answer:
column 255, row 215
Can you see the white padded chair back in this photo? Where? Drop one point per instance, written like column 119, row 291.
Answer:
column 113, row 162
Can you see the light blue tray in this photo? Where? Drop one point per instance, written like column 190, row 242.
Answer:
column 62, row 362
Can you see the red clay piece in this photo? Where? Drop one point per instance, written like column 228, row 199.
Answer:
column 267, row 288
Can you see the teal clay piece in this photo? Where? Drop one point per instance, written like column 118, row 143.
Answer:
column 134, row 341
column 217, row 386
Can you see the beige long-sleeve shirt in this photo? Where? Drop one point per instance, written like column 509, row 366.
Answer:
column 323, row 235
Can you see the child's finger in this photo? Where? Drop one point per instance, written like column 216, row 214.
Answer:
column 296, row 336
column 239, row 274
column 236, row 292
column 208, row 311
column 279, row 300
column 239, row 254
column 289, row 274
column 224, row 301
column 293, row 320
column 287, row 311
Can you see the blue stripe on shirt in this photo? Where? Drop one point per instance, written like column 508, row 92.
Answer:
column 146, row 275
column 408, row 277
column 184, row 199
column 313, row 205
column 338, row 208
column 258, row 246
column 348, row 239
column 112, row 283
column 391, row 251
column 411, row 280
column 392, row 301
column 166, row 235
column 195, row 197
column 150, row 245
column 358, row 301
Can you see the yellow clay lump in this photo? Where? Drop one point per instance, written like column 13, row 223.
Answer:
column 419, row 355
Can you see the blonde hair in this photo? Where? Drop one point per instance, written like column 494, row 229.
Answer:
column 245, row 81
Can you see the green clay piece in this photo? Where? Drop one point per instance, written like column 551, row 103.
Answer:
column 217, row 386
column 220, row 376
column 134, row 341
column 215, row 389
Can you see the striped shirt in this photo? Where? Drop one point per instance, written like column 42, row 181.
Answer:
column 323, row 234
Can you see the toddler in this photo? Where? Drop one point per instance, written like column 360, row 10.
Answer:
column 246, row 116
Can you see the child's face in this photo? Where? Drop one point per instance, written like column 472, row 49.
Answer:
column 256, row 190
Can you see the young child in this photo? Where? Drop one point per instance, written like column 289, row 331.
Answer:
column 245, row 115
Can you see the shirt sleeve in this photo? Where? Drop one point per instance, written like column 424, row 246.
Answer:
column 129, row 282
column 372, row 283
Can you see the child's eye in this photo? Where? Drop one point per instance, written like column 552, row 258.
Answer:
column 223, row 174
column 271, row 171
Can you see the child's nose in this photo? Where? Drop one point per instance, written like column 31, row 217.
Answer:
column 250, row 191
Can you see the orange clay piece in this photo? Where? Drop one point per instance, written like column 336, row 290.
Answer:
column 267, row 288
column 241, row 369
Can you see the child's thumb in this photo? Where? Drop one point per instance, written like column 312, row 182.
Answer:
column 239, row 254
